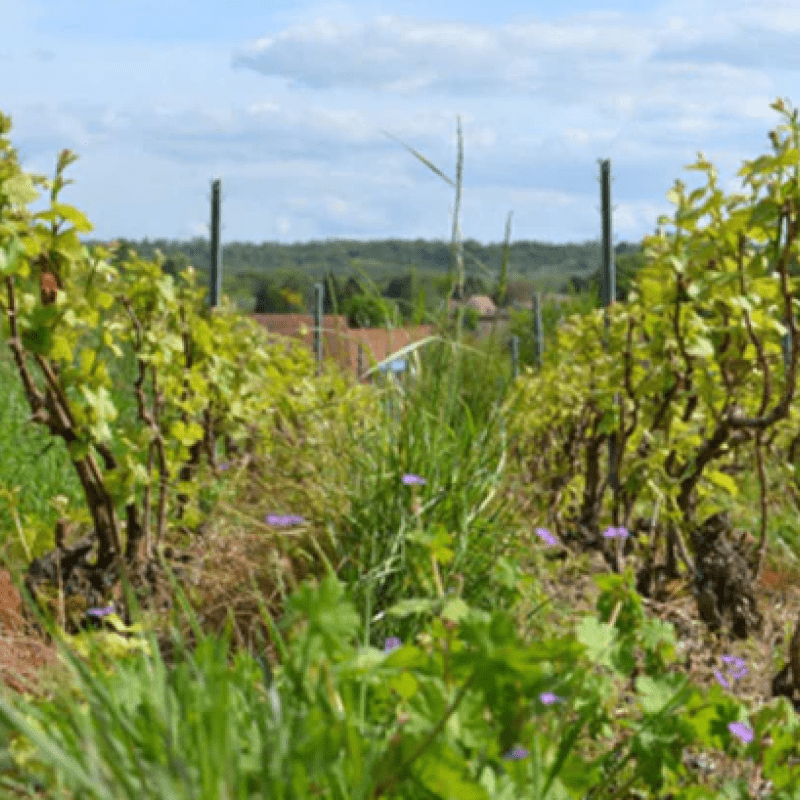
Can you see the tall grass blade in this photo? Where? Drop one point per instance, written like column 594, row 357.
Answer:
column 457, row 246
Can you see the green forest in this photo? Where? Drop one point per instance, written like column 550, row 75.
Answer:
column 371, row 280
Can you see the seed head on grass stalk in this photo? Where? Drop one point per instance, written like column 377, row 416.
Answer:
column 456, row 247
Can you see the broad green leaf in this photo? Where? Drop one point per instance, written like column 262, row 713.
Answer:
column 405, row 684
column 654, row 694
column 443, row 773
column 597, row 637
column 701, row 347
column 61, row 349
column 9, row 256
column 415, row 606
column 87, row 359
column 104, row 299
column 167, row 289
column 100, row 402
column 455, row 609
column 19, row 190
column 108, row 341
column 172, row 341
column 778, row 327
column 188, row 434
column 38, row 339
column 68, row 245
column 667, row 693
column 722, row 480
column 71, row 214
column 741, row 302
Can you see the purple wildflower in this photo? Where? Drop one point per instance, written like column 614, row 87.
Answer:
column 546, row 535
column 408, row 480
column 284, row 520
column 738, row 665
column 721, row 679
column 100, row 612
column 516, row 753
column 392, row 643
column 612, row 533
column 742, row 731
column 548, row 698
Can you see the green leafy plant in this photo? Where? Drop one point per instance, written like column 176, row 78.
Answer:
column 191, row 359
column 690, row 367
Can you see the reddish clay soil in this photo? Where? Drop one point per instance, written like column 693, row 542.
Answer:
column 23, row 657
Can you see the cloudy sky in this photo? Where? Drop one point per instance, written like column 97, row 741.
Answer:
column 286, row 103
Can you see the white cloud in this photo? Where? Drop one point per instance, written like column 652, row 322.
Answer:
column 579, row 136
column 393, row 52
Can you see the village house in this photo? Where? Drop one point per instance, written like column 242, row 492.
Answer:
column 356, row 350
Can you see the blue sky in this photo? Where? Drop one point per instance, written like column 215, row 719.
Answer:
column 285, row 103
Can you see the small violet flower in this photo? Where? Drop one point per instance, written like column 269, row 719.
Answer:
column 284, row 520
column 738, row 670
column 100, row 612
column 392, row 643
column 737, row 664
column 408, row 480
column 612, row 533
column 548, row 698
column 546, row 535
column 721, row 680
column 742, row 731
column 516, row 753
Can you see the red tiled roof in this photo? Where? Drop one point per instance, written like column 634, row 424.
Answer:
column 341, row 342
column 379, row 343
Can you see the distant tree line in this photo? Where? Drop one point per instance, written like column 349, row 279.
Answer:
column 401, row 282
